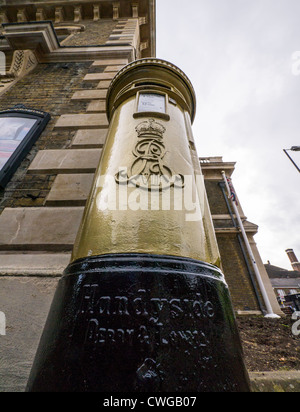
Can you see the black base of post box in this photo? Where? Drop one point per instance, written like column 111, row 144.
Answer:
column 140, row 323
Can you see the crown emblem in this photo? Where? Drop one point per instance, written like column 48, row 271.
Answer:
column 148, row 171
column 150, row 128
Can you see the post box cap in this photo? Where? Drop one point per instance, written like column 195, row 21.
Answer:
column 144, row 73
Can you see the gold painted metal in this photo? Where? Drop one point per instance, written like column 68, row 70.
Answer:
column 148, row 194
column 148, row 169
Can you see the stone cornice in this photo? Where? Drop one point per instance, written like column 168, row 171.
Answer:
column 71, row 54
column 20, row 11
column 40, row 37
column 212, row 167
column 28, row 36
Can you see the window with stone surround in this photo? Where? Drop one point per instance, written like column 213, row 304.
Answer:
column 20, row 127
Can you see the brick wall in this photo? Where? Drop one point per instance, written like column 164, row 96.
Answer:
column 48, row 88
column 95, row 33
column 215, row 196
column 233, row 260
column 236, row 273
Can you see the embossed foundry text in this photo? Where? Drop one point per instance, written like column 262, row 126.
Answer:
column 150, row 320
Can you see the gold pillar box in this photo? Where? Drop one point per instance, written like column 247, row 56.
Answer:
column 148, row 195
column 143, row 306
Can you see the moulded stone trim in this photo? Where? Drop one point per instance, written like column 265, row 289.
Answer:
column 110, row 62
column 97, row 106
column 89, row 95
column 65, row 161
column 40, row 228
column 99, row 76
column 70, row 190
column 85, row 138
column 85, row 121
column 29, row 264
column 114, row 69
column 104, row 84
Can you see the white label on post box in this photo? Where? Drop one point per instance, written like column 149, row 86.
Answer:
column 152, row 103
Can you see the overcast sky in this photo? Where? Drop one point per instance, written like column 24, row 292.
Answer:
column 241, row 56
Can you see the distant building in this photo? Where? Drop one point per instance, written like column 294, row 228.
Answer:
column 236, row 263
column 286, row 283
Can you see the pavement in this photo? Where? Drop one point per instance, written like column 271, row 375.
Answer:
column 277, row 381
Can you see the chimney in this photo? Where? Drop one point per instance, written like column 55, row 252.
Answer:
column 293, row 258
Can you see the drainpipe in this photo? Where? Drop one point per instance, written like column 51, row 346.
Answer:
column 221, row 184
column 270, row 313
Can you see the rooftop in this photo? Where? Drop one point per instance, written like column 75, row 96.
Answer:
column 276, row 272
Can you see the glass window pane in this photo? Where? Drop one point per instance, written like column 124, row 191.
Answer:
column 12, row 132
column 152, row 103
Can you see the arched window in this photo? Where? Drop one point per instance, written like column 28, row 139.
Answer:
column 19, row 129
